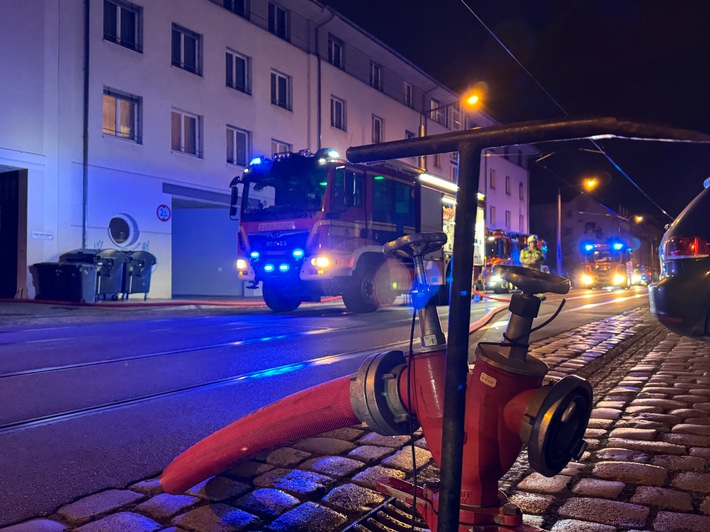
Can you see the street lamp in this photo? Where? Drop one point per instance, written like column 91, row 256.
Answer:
column 589, row 183
column 471, row 100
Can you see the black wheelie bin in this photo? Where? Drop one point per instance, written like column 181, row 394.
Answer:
column 139, row 267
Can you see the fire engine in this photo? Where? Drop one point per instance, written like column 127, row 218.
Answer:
column 606, row 264
column 312, row 225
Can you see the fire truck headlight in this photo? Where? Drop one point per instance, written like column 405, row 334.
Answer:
column 636, row 278
column 242, row 264
column 496, row 279
column 586, row 280
column 619, row 279
column 321, row 262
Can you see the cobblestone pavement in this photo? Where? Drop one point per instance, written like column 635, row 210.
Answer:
column 646, row 467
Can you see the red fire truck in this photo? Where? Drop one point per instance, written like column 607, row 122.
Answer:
column 313, row 225
column 607, row 263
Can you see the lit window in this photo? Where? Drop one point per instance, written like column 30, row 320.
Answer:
column 187, row 50
column 238, row 71
column 335, row 52
column 123, row 24
column 281, row 90
column 337, row 113
column 237, row 146
column 122, row 115
column 186, row 136
column 376, row 76
column 378, row 129
column 279, row 21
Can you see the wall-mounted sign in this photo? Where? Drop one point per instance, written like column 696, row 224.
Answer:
column 164, row 213
column 42, row 235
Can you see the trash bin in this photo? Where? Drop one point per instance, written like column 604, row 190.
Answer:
column 136, row 279
column 109, row 263
column 49, row 281
column 65, row 281
column 79, row 281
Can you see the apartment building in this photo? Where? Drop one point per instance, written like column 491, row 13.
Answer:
column 124, row 122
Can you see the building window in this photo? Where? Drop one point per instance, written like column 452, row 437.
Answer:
column 238, row 7
column 408, row 95
column 238, row 141
column 123, row 24
column 335, row 52
column 454, row 173
column 492, row 179
column 492, row 216
column 281, row 90
column 187, row 50
column 521, row 224
column 278, row 146
column 337, row 113
column 455, row 157
column 435, row 110
column 186, row 135
column 437, row 160
column 521, row 192
column 378, row 129
column 507, row 219
column 279, row 21
column 122, row 115
column 456, row 121
column 376, row 76
column 507, row 185
column 238, row 72
column 409, row 134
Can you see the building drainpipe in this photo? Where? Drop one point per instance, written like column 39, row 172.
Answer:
column 319, row 88
column 85, row 146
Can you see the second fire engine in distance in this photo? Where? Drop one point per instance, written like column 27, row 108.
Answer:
column 313, row 225
column 606, row 264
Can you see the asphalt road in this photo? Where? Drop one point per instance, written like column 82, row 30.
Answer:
column 87, row 404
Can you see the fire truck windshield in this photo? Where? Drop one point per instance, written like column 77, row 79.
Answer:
column 279, row 195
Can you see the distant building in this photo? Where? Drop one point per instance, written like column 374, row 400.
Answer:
column 127, row 136
column 585, row 219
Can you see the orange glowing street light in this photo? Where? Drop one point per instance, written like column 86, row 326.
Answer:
column 590, row 183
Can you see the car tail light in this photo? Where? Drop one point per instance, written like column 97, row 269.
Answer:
column 685, row 247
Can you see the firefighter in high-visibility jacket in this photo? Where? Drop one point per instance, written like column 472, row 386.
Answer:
column 531, row 256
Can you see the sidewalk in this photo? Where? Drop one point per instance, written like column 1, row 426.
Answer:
column 646, row 467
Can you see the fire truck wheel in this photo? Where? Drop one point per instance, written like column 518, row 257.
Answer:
column 280, row 298
column 360, row 291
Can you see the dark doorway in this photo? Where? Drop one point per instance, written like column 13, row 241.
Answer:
column 9, row 232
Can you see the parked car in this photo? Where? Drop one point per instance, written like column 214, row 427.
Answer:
column 680, row 300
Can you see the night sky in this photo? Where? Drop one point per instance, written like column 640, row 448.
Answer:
column 646, row 60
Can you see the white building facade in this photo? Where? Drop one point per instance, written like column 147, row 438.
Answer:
column 124, row 123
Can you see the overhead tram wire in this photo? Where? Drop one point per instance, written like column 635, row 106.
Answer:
column 564, row 111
